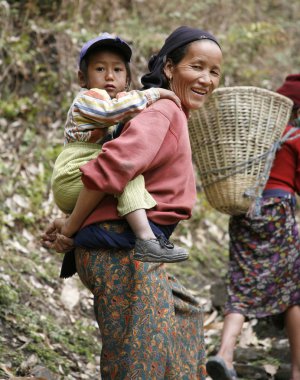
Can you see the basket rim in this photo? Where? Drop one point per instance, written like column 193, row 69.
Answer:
column 250, row 89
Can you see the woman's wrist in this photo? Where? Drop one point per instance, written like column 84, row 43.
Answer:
column 70, row 227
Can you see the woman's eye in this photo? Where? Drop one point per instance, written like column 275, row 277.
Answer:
column 118, row 69
column 100, row 68
column 216, row 73
column 197, row 67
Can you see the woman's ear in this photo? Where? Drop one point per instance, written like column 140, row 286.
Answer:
column 81, row 79
column 168, row 69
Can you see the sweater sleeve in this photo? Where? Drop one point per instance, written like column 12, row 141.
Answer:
column 129, row 155
column 285, row 172
column 96, row 105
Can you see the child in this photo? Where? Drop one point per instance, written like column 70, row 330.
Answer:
column 104, row 73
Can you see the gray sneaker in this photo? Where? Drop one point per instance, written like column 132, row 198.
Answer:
column 158, row 250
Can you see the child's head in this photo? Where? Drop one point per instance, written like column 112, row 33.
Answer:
column 104, row 63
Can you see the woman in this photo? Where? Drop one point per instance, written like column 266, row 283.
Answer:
column 264, row 267
column 151, row 327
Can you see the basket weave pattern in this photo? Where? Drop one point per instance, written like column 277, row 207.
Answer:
column 231, row 136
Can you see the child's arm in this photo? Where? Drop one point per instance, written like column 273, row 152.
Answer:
column 96, row 105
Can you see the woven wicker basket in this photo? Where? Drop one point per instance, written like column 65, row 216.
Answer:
column 230, row 137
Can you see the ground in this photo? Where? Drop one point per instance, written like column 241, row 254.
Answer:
column 47, row 324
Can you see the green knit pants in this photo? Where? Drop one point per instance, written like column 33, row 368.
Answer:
column 66, row 181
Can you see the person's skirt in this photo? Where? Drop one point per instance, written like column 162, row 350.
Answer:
column 264, row 263
column 151, row 327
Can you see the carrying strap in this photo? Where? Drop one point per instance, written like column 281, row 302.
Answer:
column 256, row 191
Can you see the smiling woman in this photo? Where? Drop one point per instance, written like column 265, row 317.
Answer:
column 151, row 327
column 197, row 74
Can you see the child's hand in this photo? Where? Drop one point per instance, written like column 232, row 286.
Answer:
column 167, row 94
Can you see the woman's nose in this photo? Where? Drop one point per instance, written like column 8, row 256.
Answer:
column 205, row 78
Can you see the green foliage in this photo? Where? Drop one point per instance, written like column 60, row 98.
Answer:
column 8, row 296
column 15, row 107
column 41, row 332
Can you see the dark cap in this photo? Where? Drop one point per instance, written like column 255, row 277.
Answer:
column 106, row 40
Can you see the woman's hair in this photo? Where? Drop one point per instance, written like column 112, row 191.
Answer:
column 84, row 63
column 175, row 57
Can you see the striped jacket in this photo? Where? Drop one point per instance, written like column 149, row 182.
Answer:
column 93, row 111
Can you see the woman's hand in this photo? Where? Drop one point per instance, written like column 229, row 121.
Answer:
column 58, row 236
column 63, row 243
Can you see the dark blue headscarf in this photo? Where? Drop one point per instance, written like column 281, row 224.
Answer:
column 180, row 37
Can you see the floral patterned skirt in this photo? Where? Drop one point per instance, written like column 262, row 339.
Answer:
column 151, row 327
column 264, row 263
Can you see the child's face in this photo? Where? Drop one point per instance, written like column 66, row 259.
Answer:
column 107, row 71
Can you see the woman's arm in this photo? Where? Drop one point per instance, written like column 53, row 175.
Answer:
column 120, row 161
column 86, row 203
column 58, row 233
column 132, row 153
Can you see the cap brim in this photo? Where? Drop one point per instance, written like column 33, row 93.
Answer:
column 117, row 45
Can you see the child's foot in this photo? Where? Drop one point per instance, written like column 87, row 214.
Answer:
column 158, row 250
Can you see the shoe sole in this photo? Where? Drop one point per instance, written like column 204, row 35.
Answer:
column 159, row 259
column 217, row 371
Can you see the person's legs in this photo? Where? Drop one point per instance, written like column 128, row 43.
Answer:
column 292, row 325
column 220, row 367
column 139, row 224
column 134, row 307
column 189, row 332
column 151, row 248
column 232, row 328
column 132, row 312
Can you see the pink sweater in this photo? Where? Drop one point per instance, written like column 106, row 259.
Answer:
column 156, row 144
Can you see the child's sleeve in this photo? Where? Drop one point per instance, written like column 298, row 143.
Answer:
column 96, row 105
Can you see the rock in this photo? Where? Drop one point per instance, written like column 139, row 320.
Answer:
column 70, row 294
column 283, row 373
column 43, row 373
column 253, row 372
column 218, row 294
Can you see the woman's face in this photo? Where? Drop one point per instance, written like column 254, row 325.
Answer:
column 195, row 77
column 106, row 71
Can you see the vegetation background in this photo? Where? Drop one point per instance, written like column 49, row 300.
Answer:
column 46, row 323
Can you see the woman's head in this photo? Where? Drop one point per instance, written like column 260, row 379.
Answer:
column 104, row 63
column 189, row 63
column 291, row 89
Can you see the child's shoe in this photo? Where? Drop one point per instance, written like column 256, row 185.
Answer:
column 158, row 250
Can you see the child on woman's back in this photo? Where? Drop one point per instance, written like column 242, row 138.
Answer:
column 104, row 74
